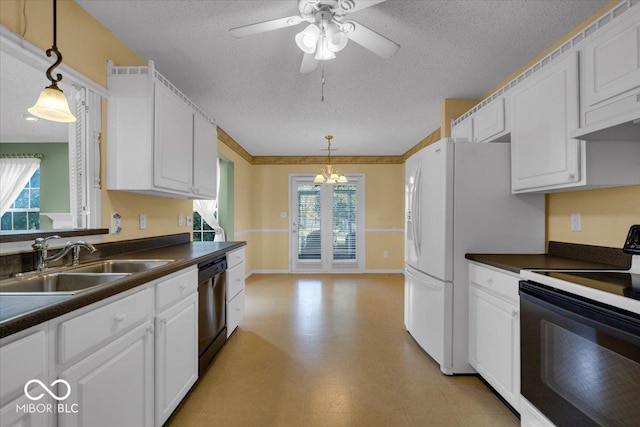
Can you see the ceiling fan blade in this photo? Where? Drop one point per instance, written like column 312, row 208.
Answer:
column 261, row 27
column 363, row 4
column 376, row 43
column 309, row 63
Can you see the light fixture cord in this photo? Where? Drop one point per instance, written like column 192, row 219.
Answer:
column 322, row 85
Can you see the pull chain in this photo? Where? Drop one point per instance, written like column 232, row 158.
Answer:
column 322, row 86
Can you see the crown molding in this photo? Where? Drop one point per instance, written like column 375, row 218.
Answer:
column 228, row 140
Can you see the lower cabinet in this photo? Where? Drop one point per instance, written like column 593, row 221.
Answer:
column 494, row 330
column 176, row 355
column 234, row 289
column 113, row 386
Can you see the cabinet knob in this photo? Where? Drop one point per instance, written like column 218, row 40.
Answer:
column 120, row 317
column 572, row 177
column 489, row 282
column 183, row 286
column 163, row 320
column 150, row 329
column 514, row 313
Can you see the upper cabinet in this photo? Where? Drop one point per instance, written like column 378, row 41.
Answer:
column 485, row 123
column 610, row 89
column 159, row 142
column 544, row 110
column 573, row 118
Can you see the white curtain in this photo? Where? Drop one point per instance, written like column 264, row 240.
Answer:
column 208, row 210
column 14, row 175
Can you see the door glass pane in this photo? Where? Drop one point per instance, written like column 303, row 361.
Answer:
column 344, row 222
column 309, row 244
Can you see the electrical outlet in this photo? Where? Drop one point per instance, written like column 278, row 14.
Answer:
column 180, row 220
column 142, row 221
column 116, row 223
column 576, row 221
column 283, row 214
column 385, row 254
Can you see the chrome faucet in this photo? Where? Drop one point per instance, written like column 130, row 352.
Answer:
column 41, row 247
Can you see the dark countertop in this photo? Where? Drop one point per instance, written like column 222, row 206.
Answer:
column 517, row 262
column 21, row 312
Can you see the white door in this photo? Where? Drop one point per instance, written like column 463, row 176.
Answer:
column 327, row 225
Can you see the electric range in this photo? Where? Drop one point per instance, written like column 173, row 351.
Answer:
column 618, row 288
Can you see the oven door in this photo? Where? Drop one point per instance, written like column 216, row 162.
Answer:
column 580, row 360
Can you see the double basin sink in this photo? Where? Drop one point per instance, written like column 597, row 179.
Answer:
column 78, row 279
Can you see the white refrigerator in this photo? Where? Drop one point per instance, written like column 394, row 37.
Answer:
column 458, row 200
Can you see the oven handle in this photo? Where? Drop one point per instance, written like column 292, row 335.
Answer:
column 586, row 311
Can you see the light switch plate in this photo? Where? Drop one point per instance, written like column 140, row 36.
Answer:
column 189, row 221
column 180, row 220
column 142, row 220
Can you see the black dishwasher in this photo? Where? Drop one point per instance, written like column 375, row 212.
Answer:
column 212, row 330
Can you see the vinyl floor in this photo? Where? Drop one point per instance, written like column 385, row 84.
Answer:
column 331, row 350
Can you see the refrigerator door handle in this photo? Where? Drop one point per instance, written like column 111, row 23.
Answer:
column 416, row 214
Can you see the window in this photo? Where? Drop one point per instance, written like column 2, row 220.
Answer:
column 24, row 212
column 202, row 232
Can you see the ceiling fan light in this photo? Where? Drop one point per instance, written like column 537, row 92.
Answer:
column 308, row 38
column 322, row 50
column 337, row 41
column 52, row 105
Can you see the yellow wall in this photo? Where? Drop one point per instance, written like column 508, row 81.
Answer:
column 86, row 47
column 262, row 193
column 606, row 215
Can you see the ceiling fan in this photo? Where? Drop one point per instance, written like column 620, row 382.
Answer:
column 328, row 31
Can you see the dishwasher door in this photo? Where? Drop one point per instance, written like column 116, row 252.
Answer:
column 212, row 331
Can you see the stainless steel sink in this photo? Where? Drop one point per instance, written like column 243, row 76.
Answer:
column 122, row 266
column 57, row 283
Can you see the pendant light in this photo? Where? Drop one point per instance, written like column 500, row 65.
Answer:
column 52, row 103
column 330, row 176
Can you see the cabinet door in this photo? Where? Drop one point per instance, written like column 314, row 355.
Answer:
column 545, row 110
column 494, row 343
column 173, row 141
column 113, row 386
column 234, row 281
column 19, row 414
column 176, row 355
column 235, row 312
column 489, row 121
column 205, row 158
column 464, row 130
column 612, row 61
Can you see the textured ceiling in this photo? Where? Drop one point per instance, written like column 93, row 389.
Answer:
column 373, row 106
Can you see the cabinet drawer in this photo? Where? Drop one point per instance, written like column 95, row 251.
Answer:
column 235, row 312
column 176, row 287
column 234, row 281
column 21, row 361
column 495, row 282
column 103, row 324
column 234, row 258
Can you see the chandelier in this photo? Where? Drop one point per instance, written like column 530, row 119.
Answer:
column 330, row 176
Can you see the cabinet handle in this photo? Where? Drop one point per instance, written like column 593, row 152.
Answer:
column 183, row 286
column 572, row 177
column 514, row 313
column 490, row 282
column 120, row 317
column 150, row 329
column 163, row 320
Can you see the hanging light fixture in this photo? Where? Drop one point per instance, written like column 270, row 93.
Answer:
column 52, row 103
column 330, row 176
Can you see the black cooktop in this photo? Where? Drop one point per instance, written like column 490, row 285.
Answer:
column 615, row 282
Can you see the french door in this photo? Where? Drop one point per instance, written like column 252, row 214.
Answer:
column 327, row 225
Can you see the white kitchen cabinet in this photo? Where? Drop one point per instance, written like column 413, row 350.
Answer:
column 486, row 123
column 494, row 330
column 24, row 357
column 234, row 289
column 113, row 386
column 463, row 131
column 544, row 110
column 176, row 341
column 159, row 142
column 610, row 86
